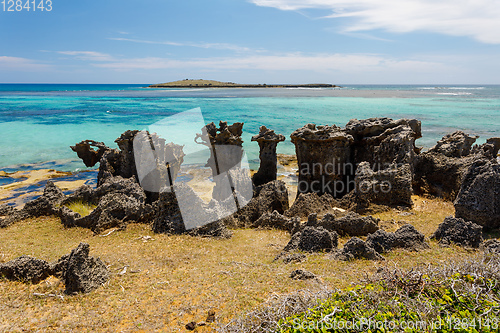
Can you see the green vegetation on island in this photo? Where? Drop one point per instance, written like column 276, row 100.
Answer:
column 188, row 83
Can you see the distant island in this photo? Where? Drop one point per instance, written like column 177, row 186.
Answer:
column 217, row 84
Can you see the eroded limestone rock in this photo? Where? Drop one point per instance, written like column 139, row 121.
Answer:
column 356, row 248
column 406, row 237
column 267, row 140
column 457, row 231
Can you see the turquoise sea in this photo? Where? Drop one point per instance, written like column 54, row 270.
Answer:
column 38, row 122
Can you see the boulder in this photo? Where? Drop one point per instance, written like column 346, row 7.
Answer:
column 439, row 175
column 355, row 248
column 457, row 231
column 351, row 224
column 383, row 141
column 312, row 239
column 275, row 220
column 267, row 140
column 324, row 159
column 82, row 273
column 456, row 144
column 406, row 237
column 25, row 269
column 308, row 203
column 479, row 197
column 294, row 257
column 300, row 274
column 391, row 186
column 269, row 197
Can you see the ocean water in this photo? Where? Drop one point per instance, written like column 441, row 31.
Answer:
column 38, row 122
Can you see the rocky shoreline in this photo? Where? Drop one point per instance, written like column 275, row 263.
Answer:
column 368, row 165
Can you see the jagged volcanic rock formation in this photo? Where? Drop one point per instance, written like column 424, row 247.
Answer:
column 440, row 170
column 79, row 271
column 267, row 140
column 406, row 237
column 323, row 154
column 356, row 248
column 351, row 224
column 460, row 232
column 479, row 197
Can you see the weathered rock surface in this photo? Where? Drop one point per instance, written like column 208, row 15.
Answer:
column 82, row 273
column 45, row 205
column 267, row 140
column 89, row 155
column 300, row 274
column 323, row 155
column 457, row 231
column 406, row 237
column 312, row 239
column 356, row 248
column 119, row 201
column 383, row 141
column 439, row 175
column 275, row 220
column 294, row 257
column 479, row 197
column 391, row 186
column 456, row 144
column 308, row 203
column 269, row 197
column 351, row 224
column 209, row 218
column 25, row 269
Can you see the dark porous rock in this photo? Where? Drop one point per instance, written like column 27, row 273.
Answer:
column 6, row 210
column 356, row 248
column 82, row 273
column 456, row 144
column 351, row 224
column 275, row 220
column 269, row 197
column 491, row 246
column 439, row 175
column 308, row 203
column 320, row 151
column 391, row 186
column 406, row 237
column 459, row 232
column 312, row 239
column 294, row 257
column 44, row 205
column 198, row 219
column 68, row 217
column 25, row 269
column 300, row 274
column 479, row 197
column 191, row 326
column 84, row 193
column 119, row 185
column 384, row 141
column 58, row 267
column 216, row 229
column 89, row 155
column 489, row 149
column 268, row 140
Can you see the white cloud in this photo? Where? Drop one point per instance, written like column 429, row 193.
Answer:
column 88, row 55
column 479, row 19
column 346, row 63
column 21, row 64
column 217, row 46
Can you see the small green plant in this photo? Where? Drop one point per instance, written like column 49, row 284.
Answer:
column 83, row 208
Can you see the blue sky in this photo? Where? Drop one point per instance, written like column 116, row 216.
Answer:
column 254, row 41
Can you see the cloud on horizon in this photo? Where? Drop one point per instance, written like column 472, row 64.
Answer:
column 21, row 64
column 479, row 19
column 217, row 46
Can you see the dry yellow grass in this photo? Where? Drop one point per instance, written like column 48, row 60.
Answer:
column 172, row 280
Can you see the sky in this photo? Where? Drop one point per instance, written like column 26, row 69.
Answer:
column 252, row 41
